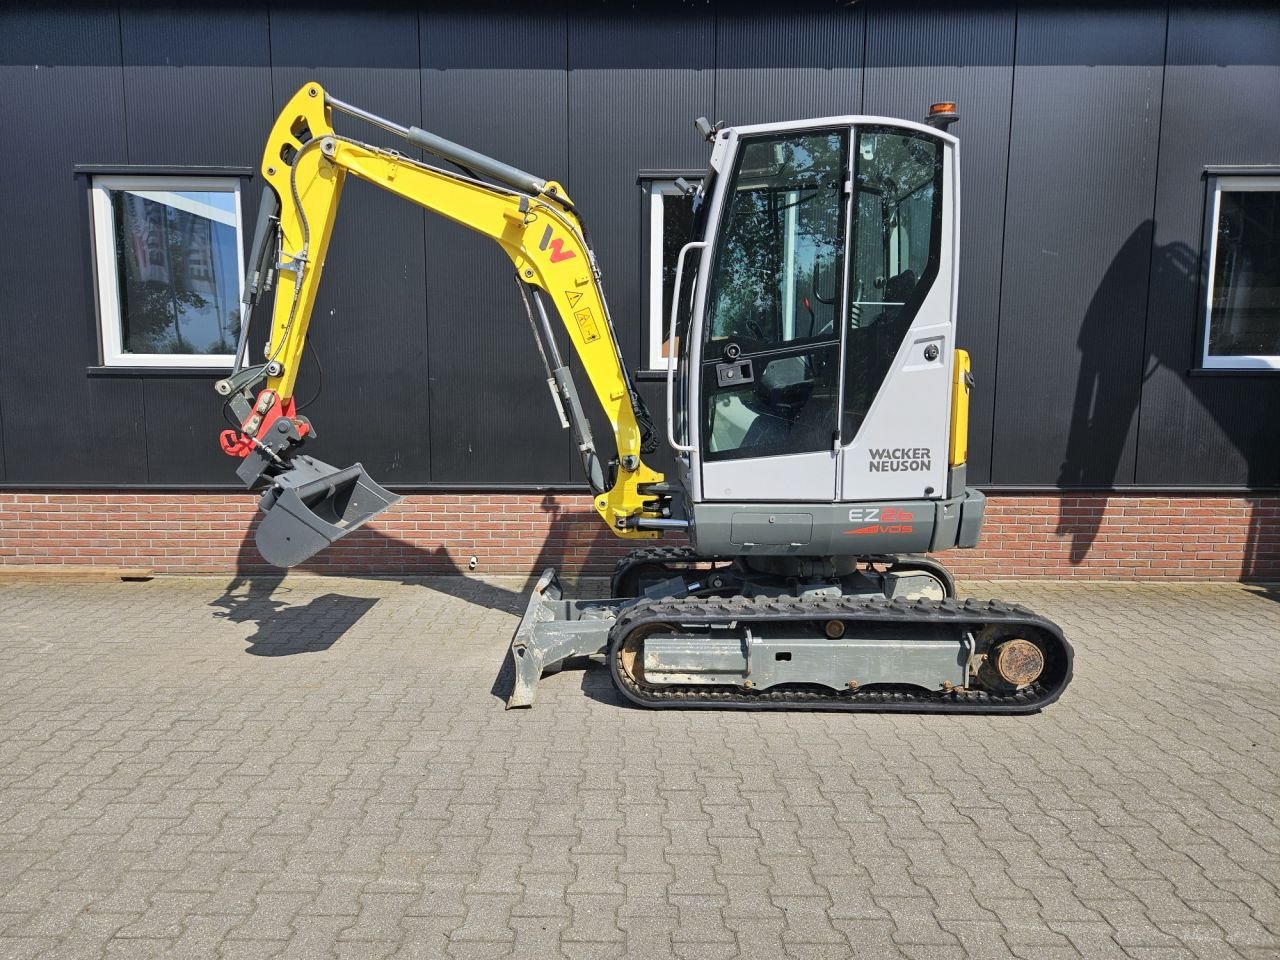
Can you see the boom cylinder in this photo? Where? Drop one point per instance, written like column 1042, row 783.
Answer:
column 474, row 160
column 448, row 150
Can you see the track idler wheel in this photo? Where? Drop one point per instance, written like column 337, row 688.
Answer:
column 1011, row 663
column 631, row 653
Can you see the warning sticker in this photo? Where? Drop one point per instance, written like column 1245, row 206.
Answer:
column 573, row 296
column 587, row 324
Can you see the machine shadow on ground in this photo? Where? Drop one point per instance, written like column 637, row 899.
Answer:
column 284, row 630
column 256, row 592
column 1268, row 591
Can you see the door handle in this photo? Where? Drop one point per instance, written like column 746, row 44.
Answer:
column 732, row 373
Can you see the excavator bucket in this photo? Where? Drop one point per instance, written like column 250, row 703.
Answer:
column 552, row 630
column 311, row 505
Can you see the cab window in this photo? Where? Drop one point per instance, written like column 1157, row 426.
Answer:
column 771, row 348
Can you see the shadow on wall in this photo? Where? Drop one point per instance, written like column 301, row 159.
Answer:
column 568, row 536
column 1106, row 402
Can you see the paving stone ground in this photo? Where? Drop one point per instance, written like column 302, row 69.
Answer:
column 323, row 768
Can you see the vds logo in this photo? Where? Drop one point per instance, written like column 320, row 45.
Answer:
column 880, row 520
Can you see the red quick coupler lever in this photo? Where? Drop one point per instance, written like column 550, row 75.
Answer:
column 266, row 411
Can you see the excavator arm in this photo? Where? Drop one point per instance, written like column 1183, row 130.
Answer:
column 309, row 504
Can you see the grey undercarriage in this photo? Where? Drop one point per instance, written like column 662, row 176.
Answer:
column 832, row 634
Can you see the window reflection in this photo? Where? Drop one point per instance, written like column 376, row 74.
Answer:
column 776, row 269
column 177, row 269
column 1244, row 316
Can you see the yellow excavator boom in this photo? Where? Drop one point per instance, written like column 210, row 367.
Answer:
column 306, row 163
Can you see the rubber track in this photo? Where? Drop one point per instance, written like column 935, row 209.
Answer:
column 973, row 614
column 660, row 555
column 654, row 555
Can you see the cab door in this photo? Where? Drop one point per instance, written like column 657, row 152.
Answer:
column 899, row 330
column 769, row 364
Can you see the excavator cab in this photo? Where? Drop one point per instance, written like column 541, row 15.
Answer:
column 817, row 341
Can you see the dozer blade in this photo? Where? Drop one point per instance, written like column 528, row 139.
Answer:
column 552, row 630
column 311, row 505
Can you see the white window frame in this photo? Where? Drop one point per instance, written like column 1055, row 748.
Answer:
column 161, row 189
column 658, row 190
column 1231, row 184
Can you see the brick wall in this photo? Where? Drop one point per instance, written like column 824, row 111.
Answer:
column 1083, row 536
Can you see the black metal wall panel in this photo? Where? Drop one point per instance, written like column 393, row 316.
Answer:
column 637, row 80
column 786, row 64
column 1079, row 273
column 1086, row 109
column 197, row 84
column 115, row 419
column 636, row 83
column 369, row 326
column 1222, row 94
column 919, row 55
column 183, row 421
column 62, row 104
column 495, row 82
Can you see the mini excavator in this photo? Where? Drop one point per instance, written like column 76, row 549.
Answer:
column 815, row 402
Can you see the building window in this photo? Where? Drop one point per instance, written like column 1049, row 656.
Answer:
column 1242, row 282
column 169, row 265
column 669, row 225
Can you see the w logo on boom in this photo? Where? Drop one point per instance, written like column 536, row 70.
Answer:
column 558, row 252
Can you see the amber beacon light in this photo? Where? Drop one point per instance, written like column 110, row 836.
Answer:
column 942, row 115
